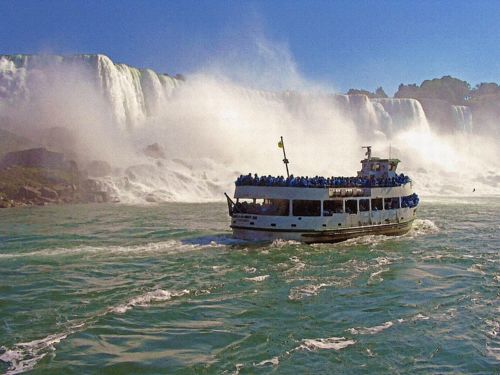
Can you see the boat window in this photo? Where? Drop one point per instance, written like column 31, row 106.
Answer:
column 269, row 207
column 391, row 203
column 351, row 206
column 306, row 208
column 377, row 204
column 335, row 206
column 387, row 203
column 364, row 205
column 395, row 203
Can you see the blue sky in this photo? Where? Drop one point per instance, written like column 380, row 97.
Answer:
column 342, row 44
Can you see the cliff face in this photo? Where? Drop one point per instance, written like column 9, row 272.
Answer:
column 40, row 177
column 35, row 158
column 13, row 142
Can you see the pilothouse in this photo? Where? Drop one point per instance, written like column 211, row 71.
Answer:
column 377, row 200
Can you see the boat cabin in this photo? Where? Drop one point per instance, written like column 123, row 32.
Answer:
column 374, row 167
column 378, row 168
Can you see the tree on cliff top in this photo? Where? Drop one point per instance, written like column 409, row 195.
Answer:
column 485, row 89
column 379, row 93
column 447, row 88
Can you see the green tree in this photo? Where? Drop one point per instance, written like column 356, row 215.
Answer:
column 380, row 93
column 447, row 88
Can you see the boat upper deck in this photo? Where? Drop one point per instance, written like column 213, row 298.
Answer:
column 322, row 182
column 285, row 192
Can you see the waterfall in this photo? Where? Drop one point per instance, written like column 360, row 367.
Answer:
column 212, row 129
column 404, row 114
column 132, row 94
column 463, row 118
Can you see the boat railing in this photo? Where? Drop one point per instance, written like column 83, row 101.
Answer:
column 322, row 182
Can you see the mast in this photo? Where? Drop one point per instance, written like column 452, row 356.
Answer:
column 281, row 144
column 368, row 151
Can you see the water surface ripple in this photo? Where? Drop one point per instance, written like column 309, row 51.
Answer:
column 114, row 289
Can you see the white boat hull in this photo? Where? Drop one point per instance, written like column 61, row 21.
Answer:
column 313, row 236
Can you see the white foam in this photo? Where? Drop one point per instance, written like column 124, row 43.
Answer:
column 493, row 352
column 256, row 278
column 144, row 300
column 273, row 362
column 299, row 266
column 375, row 276
column 476, row 268
column 305, row 291
column 370, row 330
column 420, row 317
column 237, row 369
column 493, row 328
column 170, row 246
column 382, row 327
column 423, row 227
column 383, row 261
column 25, row 355
column 331, row 343
column 357, row 265
column 279, row 243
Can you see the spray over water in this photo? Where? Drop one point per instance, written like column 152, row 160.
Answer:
column 212, row 127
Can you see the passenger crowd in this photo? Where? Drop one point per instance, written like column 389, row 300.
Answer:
column 276, row 208
column 410, row 201
column 321, row 182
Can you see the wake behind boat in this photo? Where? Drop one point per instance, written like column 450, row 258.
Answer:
column 377, row 201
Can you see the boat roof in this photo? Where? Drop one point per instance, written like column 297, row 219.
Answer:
column 389, row 160
column 285, row 192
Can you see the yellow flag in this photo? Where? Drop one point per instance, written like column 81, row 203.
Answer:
column 280, row 144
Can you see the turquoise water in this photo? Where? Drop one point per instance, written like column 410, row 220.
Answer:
column 114, row 289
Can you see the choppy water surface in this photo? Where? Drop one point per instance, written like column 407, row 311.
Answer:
column 164, row 289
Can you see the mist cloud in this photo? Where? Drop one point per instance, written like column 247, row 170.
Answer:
column 226, row 119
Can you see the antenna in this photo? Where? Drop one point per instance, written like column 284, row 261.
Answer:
column 281, row 144
column 368, row 151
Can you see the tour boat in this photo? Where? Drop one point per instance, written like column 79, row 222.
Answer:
column 377, row 201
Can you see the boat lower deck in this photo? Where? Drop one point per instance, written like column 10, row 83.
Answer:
column 315, row 236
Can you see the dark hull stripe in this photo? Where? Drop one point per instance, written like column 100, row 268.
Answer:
column 386, row 229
